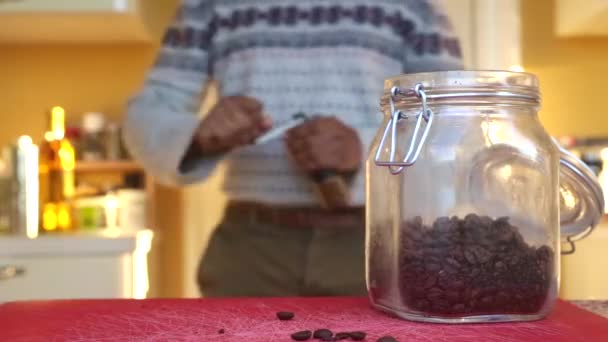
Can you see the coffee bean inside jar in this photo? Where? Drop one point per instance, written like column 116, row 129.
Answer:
column 473, row 265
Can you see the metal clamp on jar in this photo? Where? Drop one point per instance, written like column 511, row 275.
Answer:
column 464, row 191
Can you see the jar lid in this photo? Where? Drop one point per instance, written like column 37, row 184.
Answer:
column 463, row 86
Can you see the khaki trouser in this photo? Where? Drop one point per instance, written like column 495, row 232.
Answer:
column 254, row 259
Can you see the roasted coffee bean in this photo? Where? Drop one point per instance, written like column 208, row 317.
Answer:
column 221, row 331
column 440, row 305
column 386, row 339
column 301, row 335
column 457, row 253
column 452, row 296
column 445, row 279
column 470, row 256
column 285, row 315
column 544, row 253
column 450, row 270
column 357, row 335
column 486, row 222
column 455, row 221
column 457, row 284
column 433, row 267
column 453, row 262
column 342, row 336
column 459, row 308
column 322, row 333
column 442, row 225
column 426, row 281
column 504, row 220
column 416, row 235
column 434, row 294
column 422, row 304
column 419, row 292
column 481, row 254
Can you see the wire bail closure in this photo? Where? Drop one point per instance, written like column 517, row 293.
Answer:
column 418, row 139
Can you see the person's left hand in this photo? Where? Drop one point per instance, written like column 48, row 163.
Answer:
column 324, row 144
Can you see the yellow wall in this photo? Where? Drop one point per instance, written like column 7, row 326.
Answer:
column 79, row 77
column 573, row 73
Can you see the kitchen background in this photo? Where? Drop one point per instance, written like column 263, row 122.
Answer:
column 55, row 54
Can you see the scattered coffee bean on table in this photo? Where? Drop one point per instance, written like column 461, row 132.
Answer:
column 387, row 339
column 342, row 336
column 471, row 266
column 285, row 315
column 357, row 335
column 301, row 335
column 323, row 333
column 221, row 331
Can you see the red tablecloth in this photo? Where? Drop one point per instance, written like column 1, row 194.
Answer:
column 254, row 320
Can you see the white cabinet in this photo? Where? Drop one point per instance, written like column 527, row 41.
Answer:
column 66, row 277
column 36, row 21
column 79, row 266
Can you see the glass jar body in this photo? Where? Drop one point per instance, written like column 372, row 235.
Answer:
column 470, row 231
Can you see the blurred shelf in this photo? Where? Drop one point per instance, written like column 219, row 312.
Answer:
column 108, row 166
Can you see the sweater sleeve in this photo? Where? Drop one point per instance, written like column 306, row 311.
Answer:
column 162, row 117
column 432, row 45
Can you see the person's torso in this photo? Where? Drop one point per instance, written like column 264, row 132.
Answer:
column 318, row 57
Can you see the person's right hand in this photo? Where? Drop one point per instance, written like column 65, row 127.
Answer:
column 234, row 121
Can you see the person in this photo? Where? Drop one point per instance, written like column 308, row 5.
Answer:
column 271, row 59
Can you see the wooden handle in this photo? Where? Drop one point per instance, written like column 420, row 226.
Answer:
column 333, row 190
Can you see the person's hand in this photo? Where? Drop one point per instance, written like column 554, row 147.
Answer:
column 325, row 144
column 234, row 121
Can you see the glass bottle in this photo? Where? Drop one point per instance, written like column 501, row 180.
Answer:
column 57, row 180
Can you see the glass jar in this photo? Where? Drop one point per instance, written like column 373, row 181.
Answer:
column 464, row 189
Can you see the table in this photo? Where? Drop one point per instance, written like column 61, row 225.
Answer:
column 113, row 262
column 254, row 320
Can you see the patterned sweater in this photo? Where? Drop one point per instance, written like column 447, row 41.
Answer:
column 326, row 57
